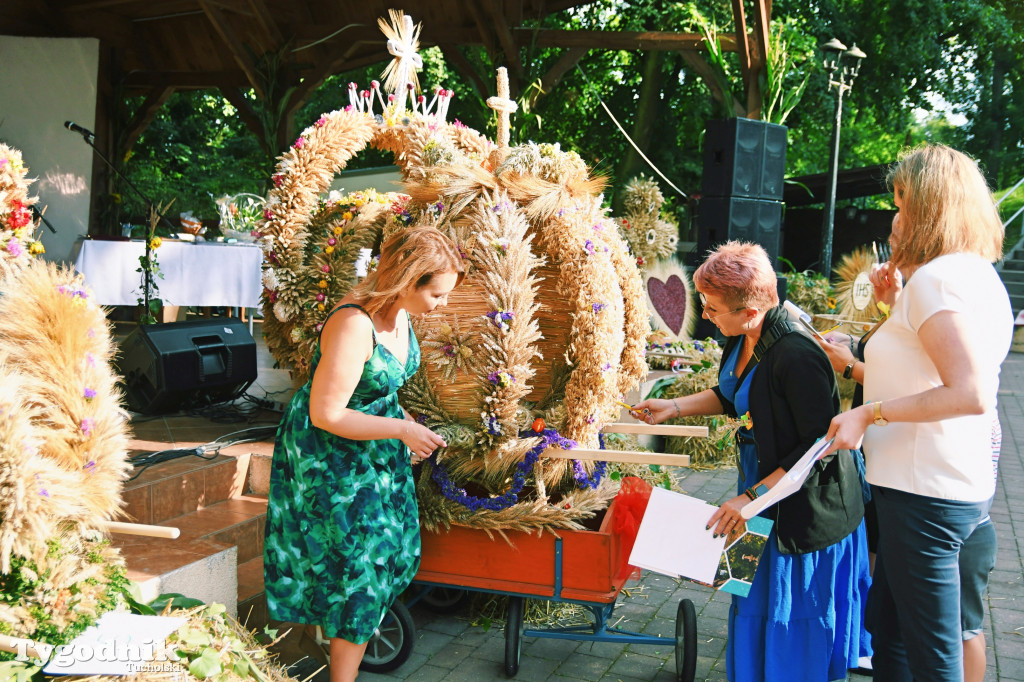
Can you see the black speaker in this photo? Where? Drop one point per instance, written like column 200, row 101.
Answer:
column 721, row 219
column 744, row 158
column 185, row 364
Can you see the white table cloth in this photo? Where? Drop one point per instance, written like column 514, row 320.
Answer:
column 194, row 274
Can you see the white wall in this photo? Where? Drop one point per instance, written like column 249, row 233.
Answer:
column 44, row 82
column 383, row 179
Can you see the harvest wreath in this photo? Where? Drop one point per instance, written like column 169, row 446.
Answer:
column 549, row 323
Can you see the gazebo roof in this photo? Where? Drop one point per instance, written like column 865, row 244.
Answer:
column 217, row 43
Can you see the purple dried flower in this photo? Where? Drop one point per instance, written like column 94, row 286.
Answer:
column 598, row 307
column 89, row 393
column 588, row 246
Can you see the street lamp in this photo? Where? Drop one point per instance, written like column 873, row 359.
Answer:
column 842, row 66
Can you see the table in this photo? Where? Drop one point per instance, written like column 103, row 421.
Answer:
column 194, row 273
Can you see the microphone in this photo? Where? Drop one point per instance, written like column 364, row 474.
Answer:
column 74, row 127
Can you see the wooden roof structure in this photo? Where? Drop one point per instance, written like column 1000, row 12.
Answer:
column 154, row 47
column 282, row 50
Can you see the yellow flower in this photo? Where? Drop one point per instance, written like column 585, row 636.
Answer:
column 338, row 231
column 322, row 284
column 115, row 197
column 347, row 215
column 328, row 249
column 155, row 243
column 883, row 308
column 359, row 202
column 36, row 248
column 320, row 307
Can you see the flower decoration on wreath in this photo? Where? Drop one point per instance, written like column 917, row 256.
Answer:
column 18, row 245
column 550, row 321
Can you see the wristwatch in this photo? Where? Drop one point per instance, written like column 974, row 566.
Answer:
column 757, row 491
column 848, row 372
column 879, row 419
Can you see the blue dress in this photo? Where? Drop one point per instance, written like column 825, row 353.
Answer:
column 804, row 616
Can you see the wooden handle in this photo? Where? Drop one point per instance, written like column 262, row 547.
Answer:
column 656, row 429
column 14, row 645
column 168, row 532
column 628, row 456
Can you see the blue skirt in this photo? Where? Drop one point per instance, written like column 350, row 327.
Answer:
column 804, row 616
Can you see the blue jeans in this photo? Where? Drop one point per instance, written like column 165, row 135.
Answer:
column 913, row 611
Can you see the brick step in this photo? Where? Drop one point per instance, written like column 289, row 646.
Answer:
column 252, row 600
column 180, row 486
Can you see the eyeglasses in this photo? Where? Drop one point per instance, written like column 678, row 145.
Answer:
column 712, row 318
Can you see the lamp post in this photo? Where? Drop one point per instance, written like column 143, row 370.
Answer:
column 842, row 66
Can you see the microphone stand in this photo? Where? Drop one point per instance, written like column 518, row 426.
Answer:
column 147, row 276
column 39, row 216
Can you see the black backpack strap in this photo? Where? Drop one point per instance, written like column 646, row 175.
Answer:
column 770, row 336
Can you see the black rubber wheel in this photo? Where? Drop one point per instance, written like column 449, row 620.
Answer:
column 392, row 641
column 513, row 635
column 444, row 599
column 686, row 641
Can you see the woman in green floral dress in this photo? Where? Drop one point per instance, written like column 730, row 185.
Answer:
column 342, row 534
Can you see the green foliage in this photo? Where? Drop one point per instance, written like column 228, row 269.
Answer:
column 196, row 148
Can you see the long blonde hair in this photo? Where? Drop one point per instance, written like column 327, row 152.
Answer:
column 946, row 207
column 410, row 257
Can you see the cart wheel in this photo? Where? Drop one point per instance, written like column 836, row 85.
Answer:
column 444, row 599
column 686, row 641
column 513, row 635
column 392, row 641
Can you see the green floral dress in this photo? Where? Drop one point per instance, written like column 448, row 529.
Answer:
column 342, row 535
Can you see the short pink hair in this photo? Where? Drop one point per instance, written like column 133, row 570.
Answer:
column 740, row 273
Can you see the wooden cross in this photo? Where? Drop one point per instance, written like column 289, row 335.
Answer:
column 504, row 106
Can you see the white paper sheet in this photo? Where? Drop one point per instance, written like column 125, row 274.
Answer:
column 119, row 644
column 673, row 539
column 789, row 483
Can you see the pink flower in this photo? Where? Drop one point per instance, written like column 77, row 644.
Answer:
column 14, row 248
column 278, row 179
column 268, row 214
column 325, row 268
column 88, row 424
column 321, row 297
column 300, row 143
column 332, row 241
column 321, row 122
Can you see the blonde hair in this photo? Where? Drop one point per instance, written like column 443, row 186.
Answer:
column 741, row 273
column 410, row 257
column 946, row 207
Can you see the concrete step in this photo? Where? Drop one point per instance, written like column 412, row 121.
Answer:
column 1014, row 263
column 203, row 562
column 1012, row 276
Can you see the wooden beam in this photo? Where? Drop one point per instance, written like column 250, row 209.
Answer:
column 234, row 45
column 700, row 66
column 247, row 114
column 656, row 429
column 185, row 80
column 565, row 63
column 508, row 43
column 143, row 117
column 628, row 456
column 454, row 55
column 486, row 39
column 619, row 40
column 761, row 38
column 267, row 22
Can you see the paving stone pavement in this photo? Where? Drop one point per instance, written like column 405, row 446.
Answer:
column 450, row 648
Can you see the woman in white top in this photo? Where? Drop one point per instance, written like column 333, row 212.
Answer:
column 930, row 382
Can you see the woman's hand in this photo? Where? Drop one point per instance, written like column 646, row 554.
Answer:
column 887, row 281
column 728, row 517
column 654, row 410
column 848, row 428
column 837, row 348
column 420, row 440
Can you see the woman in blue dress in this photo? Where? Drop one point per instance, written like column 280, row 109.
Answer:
column 803, row 617
column 342, row 532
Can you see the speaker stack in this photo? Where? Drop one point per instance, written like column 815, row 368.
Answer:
column 744, row 171
column 179, row 365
